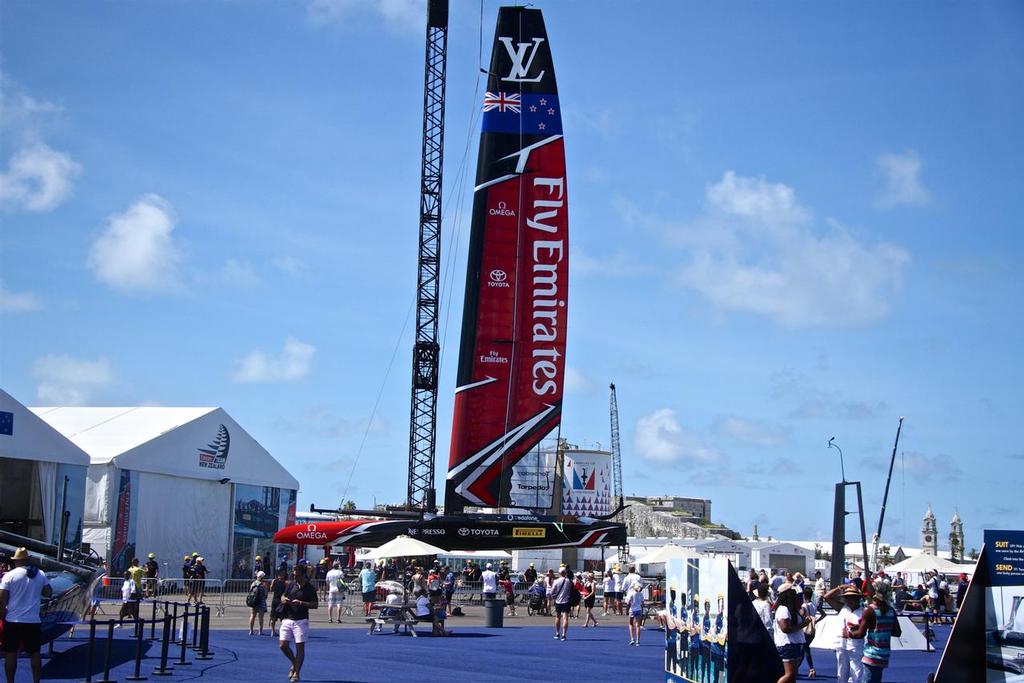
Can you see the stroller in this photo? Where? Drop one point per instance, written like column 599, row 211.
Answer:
column 536, row 600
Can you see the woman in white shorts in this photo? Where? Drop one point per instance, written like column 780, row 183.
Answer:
column 299, row 597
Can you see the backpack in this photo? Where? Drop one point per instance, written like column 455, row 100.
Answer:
column 574, row 596
column 434, row 583
column 253, row 597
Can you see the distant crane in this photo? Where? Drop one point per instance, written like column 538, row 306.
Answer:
column 885, row 499
column 617, row 465
column 426, row 352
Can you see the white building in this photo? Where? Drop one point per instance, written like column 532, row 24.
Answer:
column 34, row 459
column 173, row 481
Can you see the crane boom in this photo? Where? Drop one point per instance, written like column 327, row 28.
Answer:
column 617, row 463
column 885, row 499
column 426, row 351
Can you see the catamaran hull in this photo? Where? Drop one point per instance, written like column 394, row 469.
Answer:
column 458, row 532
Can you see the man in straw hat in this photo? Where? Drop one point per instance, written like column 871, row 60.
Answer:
column 848, row 600
column 20, row 592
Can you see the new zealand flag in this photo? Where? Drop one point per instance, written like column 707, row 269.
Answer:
column 529, row 113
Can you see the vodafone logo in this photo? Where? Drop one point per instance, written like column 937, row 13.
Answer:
column 311, row 534
column 498, row 278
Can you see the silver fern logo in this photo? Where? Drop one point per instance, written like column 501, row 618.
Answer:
column 216, row 453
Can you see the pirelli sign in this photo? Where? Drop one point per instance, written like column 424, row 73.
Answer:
column 528, row 532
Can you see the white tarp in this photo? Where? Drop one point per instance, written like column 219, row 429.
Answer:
column 33, row 439
column 401, row 546
column 830, row 628
column 177, row 516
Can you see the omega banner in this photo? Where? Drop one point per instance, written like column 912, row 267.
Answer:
column 512, row 357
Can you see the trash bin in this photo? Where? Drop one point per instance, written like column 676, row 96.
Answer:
column 494, row 613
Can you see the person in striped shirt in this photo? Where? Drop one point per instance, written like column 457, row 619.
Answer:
column 877, row 626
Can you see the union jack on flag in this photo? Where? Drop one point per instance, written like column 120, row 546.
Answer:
column 502, row 101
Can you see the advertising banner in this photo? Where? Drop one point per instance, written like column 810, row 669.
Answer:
column 123, row 543
column 533, row 480
column 1004, row 605
column 696, row 620
column 586, row 483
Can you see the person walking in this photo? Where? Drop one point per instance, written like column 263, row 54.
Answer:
column 561, row 592
column 21, row 589
column 367, row 584
column 635, row 605
column 152, row 570
column 530, row 575
column 764, row 608
column 448, row 587
column 277, row 587
column 336, row 590
column 589, row 595
column 299, row 597
column 199, row 572
column 789, row 631
column 877, row 627
column 607, row 588
column 617, row 590
column 130, row 595
column 257, row 602
column 505, row 582
column 849, row 646
column 490, row 583
column 810, row 614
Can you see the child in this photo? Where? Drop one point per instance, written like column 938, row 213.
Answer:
column 635, row 605
column 510, row 594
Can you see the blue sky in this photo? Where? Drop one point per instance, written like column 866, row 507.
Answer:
column 789, row 221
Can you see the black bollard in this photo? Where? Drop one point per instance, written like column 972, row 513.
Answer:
column 164, row 669
column 184, row 639
column 110, row 648
column 152, row 624
column 174, row 622
column 139, row 632
column 88, row 651
column 195, row 627
column 204, row 636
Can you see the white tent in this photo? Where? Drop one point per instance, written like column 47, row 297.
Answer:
column 401, row 546
column 176, row 480
column 916, row 568
column 34, row 459
column 664, row 554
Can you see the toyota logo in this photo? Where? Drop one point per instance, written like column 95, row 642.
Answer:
column 498, row 275
column 463, row 532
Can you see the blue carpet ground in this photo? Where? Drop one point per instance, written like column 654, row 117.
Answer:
column 473, row 654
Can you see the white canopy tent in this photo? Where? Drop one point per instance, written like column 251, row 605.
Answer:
column 916, row 568
column 168, row 480
column 34, row 459
column 664, row 554
column 400, row 546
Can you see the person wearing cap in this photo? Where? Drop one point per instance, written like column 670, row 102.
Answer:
column 961, row 590
column 186, row 575
column 199, row 572
column 447, row 587
column 561, row 592
column 617, row 590
column 257, row 601
column 152, row 574
column 367, row 584
column 257, row 565
column 849, row 647
column 21, row 589
column 607, row 591
column 136, row 573
column 530, row 575
column 635, row 605
column 877, row 627
column 789, row 631
column 490, row 583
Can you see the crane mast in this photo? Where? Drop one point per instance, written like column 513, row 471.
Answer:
column 617, row 464
column 885, row 499
column 426, row 351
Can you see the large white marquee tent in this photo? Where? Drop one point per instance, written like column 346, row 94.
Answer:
column 173, row 481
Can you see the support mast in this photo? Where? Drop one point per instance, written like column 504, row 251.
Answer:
column 426, row 350
column 617, row 464
column 885, row 499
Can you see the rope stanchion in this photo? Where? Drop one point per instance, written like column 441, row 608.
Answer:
column 89, row 649
column 164, row 669
column 204, row 637
column 184, row 639
column 152, row 624
column 195, row 627
column 139, row 632
column 110, row 648
column 174, row 622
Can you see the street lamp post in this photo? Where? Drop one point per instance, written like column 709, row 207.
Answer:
column 842, row 467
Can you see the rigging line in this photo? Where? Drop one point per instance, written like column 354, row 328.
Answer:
column 376, row 403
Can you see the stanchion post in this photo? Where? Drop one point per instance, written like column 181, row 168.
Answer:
column 164, row 669
column 204, row 637
column 174, row 622
column 184, row 639
column 152, row 624
column 195, row 627
column 88, row 651
column 109, row 654
column 139, row 632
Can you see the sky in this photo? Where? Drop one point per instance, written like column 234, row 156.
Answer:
column 789, row 222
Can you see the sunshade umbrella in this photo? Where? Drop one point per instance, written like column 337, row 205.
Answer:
column 402, row 546
column 391, row 586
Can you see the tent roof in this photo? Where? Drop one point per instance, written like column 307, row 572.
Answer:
column 33, row 439
column 169, row 441
column 922, row 563
column 665, row 553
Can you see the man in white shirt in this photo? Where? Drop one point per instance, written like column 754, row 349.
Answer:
column 617, row 589
column 336, row 590
column 20, row 592
column 632, row 579
column 490, row 583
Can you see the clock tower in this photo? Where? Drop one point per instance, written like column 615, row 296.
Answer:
column 929, row 535
column 956, row 538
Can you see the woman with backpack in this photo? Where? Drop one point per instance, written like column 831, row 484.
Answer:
column 256, row 601
column 277, row 587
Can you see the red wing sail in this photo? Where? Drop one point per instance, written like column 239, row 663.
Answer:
column 512, row 358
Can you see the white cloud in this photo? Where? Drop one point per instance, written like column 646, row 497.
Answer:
column 755, row 250
column 67, row 381
column 239, row 274
column 292, row 365
column 17, row 302
column 576, row 381
column 136, row 250
column 402, row 15
column 38, row 178
column 903, row 186
column 289, row 265
column 750, row 431
column 660, row 437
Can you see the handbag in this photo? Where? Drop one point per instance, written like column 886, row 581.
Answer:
column 809, row 626
column 280, row 608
